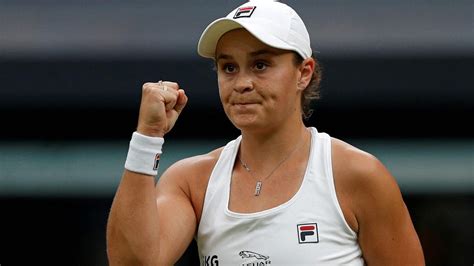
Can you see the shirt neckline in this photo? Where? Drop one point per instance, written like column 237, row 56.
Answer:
column 276, row 208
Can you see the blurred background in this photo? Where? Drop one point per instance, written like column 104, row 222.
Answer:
column 397, row 82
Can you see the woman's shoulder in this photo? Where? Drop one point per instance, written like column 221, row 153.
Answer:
column 360, row 178
column 191, row 176
column 354, row 161
column 195, row 166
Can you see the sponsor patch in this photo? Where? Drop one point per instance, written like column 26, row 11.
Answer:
column 251, row 258
column 308, row 233
column 210, row 260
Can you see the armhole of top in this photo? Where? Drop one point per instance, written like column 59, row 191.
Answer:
column 332, row 185
column 212, row 184
column 208, row 194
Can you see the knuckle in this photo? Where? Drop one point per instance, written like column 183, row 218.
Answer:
column 147, row 86
column 173, row 85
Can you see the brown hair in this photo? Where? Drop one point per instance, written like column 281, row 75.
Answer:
column 312, row 91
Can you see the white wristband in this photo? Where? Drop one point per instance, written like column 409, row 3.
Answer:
column 144, row 154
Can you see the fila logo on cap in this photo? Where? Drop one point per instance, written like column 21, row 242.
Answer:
column 308, row 233
column 244, row 12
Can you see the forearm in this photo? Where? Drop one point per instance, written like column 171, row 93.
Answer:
column 132, row 229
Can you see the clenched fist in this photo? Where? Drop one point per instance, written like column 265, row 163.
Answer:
column 161, row 104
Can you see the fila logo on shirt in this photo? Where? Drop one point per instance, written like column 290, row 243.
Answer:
column 308, row 233
column 244, row 12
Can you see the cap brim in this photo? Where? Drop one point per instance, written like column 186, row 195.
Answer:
column 211, row 35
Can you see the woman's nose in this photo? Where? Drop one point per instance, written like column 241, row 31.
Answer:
column 243, row 83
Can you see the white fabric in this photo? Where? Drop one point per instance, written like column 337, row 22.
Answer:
column 275, row 236
column 275, row 24
column 144, row 154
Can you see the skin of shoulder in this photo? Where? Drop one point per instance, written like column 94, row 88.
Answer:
column 189, row 177
column 374, row 208
column 180, row 195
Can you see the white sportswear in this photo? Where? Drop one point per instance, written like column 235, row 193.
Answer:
column 309, row 229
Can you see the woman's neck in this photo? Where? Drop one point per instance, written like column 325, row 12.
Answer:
column 269, row 148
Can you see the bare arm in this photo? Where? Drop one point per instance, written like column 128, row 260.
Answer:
column 372, row 198
column 386, row 232
column 148, row 225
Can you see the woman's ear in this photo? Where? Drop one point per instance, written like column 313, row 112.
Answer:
column 306, row 73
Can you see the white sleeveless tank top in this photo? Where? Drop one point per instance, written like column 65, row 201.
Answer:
column 309, row 229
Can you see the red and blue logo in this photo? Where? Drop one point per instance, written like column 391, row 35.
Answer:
column 157, row 162
column 244, row 12
column 308, row 233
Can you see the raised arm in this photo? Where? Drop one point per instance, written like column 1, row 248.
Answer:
column 151, row 225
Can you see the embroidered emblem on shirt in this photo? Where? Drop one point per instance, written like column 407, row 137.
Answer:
column 308, row 233
column 254, row 258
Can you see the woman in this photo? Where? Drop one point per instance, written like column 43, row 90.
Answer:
column 280, row 193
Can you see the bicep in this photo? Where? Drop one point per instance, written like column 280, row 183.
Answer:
column 176, row 217
column 386, row 232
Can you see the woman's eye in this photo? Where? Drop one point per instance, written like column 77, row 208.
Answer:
column 228, row 68
column 260, row 66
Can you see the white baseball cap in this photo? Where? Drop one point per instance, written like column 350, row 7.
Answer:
column 273, row 23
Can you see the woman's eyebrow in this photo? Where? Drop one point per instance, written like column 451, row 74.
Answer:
column 223, row 56
column 263, row 52
column 252, row 54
